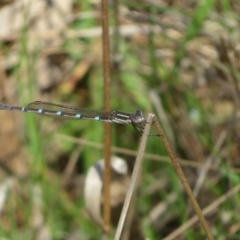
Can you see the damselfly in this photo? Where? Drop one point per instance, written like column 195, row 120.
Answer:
column 69, row 112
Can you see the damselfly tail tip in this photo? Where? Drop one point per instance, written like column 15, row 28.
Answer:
column 3, row 106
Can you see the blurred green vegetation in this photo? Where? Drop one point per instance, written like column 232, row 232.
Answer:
column 171, row 64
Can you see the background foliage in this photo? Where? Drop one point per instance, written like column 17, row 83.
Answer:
column 178, row 59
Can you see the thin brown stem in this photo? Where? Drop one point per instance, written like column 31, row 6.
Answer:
column 183, row 179
column 107, row 140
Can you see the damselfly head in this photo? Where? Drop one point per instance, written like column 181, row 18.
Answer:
column 139, row 122
column 138, row 117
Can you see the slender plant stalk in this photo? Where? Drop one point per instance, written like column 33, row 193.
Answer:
column 107, row 135
column 132, row 186
column 153, row 157
column 207, row 210
column 183, row 179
